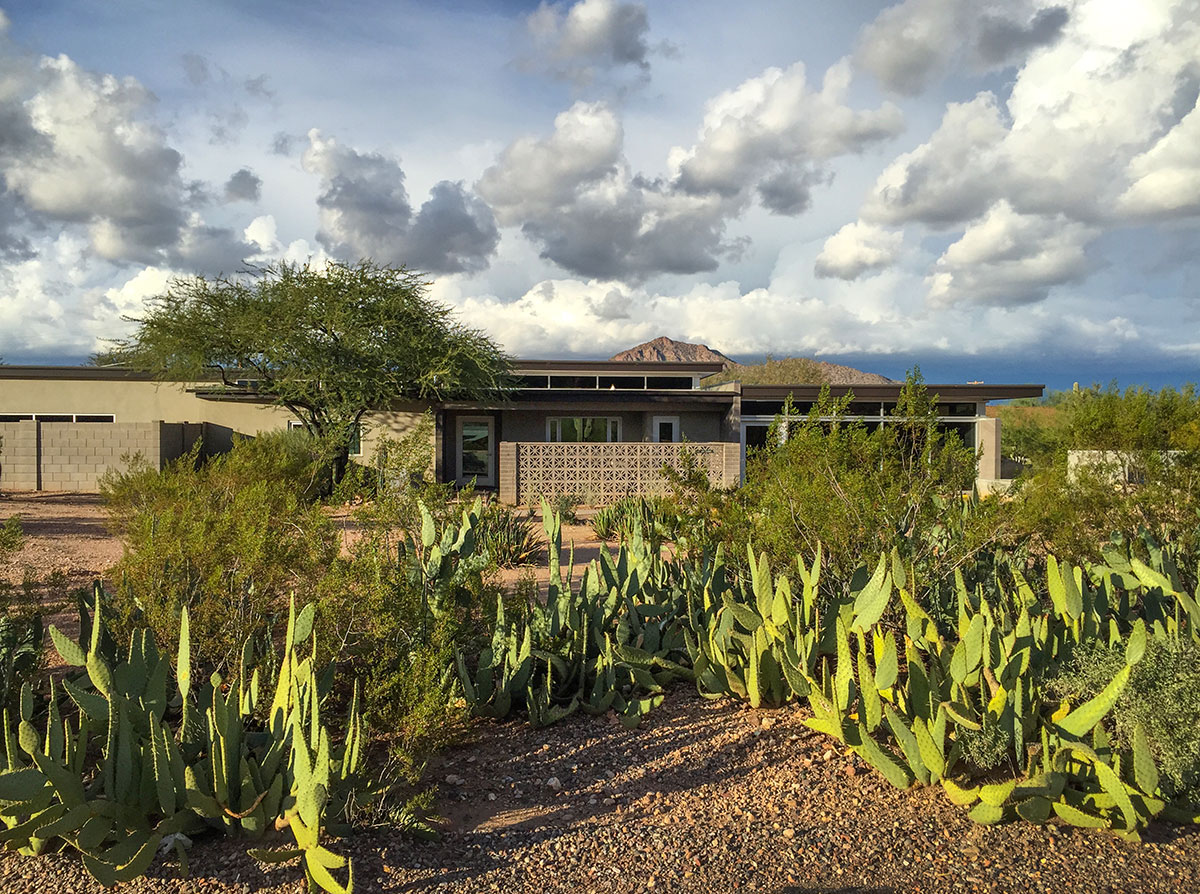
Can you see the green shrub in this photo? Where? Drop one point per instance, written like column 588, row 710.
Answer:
column 860, row 491
column 1163, row 696
column 394, row 619
column 654, row 517
column 12, row 536
column 140, row 754
column 510, row 539
column 229, row 538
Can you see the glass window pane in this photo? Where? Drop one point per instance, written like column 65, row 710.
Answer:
column 569, row 429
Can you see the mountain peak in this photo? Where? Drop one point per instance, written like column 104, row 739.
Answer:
column 663, row 349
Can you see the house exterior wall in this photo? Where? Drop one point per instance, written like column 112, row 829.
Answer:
column 74, row 456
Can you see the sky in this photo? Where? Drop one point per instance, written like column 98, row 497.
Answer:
column 996, row 191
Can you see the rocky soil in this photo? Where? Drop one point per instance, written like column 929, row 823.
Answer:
column 705, row 797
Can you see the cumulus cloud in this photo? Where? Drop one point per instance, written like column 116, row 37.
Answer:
column 365, row 213
column 243, row 186
column 773, row 130
column 1099, row 131
column 574, row 193
column 910, row 44
column 1006, row 258
column 857, row 248
column 589, row 38
column 82, row 149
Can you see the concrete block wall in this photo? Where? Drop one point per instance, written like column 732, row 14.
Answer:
column 73, row 456
column 18, row 456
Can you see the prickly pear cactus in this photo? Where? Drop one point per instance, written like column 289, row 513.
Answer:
column 174, row 760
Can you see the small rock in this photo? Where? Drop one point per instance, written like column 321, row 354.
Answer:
column 768, row 722
column 455, row 780
column 553, row 783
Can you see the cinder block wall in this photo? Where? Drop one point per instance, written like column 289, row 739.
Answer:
column 19, row 456
column 73, row 456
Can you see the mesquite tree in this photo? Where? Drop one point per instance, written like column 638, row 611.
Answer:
column 328, row 342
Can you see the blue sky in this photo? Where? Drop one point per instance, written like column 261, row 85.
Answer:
column 992, row 190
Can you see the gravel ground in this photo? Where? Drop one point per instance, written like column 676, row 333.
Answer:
column 704, row 797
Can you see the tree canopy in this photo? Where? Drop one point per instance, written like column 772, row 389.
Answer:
column 328, row 342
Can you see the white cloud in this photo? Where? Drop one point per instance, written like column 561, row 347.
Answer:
column 1098, row 132
column 774, row 125
column 589, row 38
column 1007, row 258
column 856, row 248
column 574, row 193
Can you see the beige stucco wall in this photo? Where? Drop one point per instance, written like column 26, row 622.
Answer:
column 987, row 442
column 134, row 401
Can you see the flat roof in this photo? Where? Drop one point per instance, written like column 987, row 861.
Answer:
column 945, row 392
column 74, row 372
column 599, row 367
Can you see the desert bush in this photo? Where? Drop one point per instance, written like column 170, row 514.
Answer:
column 12, row 536
column 395, row 608
column 651, row 516
column 229, row 538
column 860, row 491
column 508, row 537
column 1163, row 696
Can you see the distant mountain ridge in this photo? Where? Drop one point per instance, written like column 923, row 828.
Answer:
column 784, row 371
column 667, row 350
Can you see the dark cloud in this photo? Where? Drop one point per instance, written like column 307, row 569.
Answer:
column 196, row 69
column 258, row 87
column 1001, row 39
column 589, row 39
column 788, row 192
column 243, row 186
column 283, row 143
column 365, row 213
column 454, row 231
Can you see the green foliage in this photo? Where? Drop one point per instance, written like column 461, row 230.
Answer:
column 228, row 538
column 860, row 491
column 20, row 652
column 773, row 371
column 507, row 537
column 564, row 506
column 12, row 536
column 131, row 761
column 1162, row 698
column 609, row 643
column 652, row 517
column 396, row 606
column 328, row 342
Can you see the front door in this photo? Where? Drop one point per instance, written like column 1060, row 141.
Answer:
column 476, row 442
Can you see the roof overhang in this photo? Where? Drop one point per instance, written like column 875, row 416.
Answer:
column 620, row 367
column 946, row 392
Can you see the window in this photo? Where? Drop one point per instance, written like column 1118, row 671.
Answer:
column 583, row 429
column 665, row 429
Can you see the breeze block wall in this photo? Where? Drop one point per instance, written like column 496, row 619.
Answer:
column 73, row 456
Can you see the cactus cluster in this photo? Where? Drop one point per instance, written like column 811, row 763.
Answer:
column 907, row 711
column 607, row 642
column 133, row 754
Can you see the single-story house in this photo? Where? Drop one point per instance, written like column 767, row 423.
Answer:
column 598, row 429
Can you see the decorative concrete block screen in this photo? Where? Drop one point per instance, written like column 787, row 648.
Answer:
column 73, row 456
column 604, row 473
